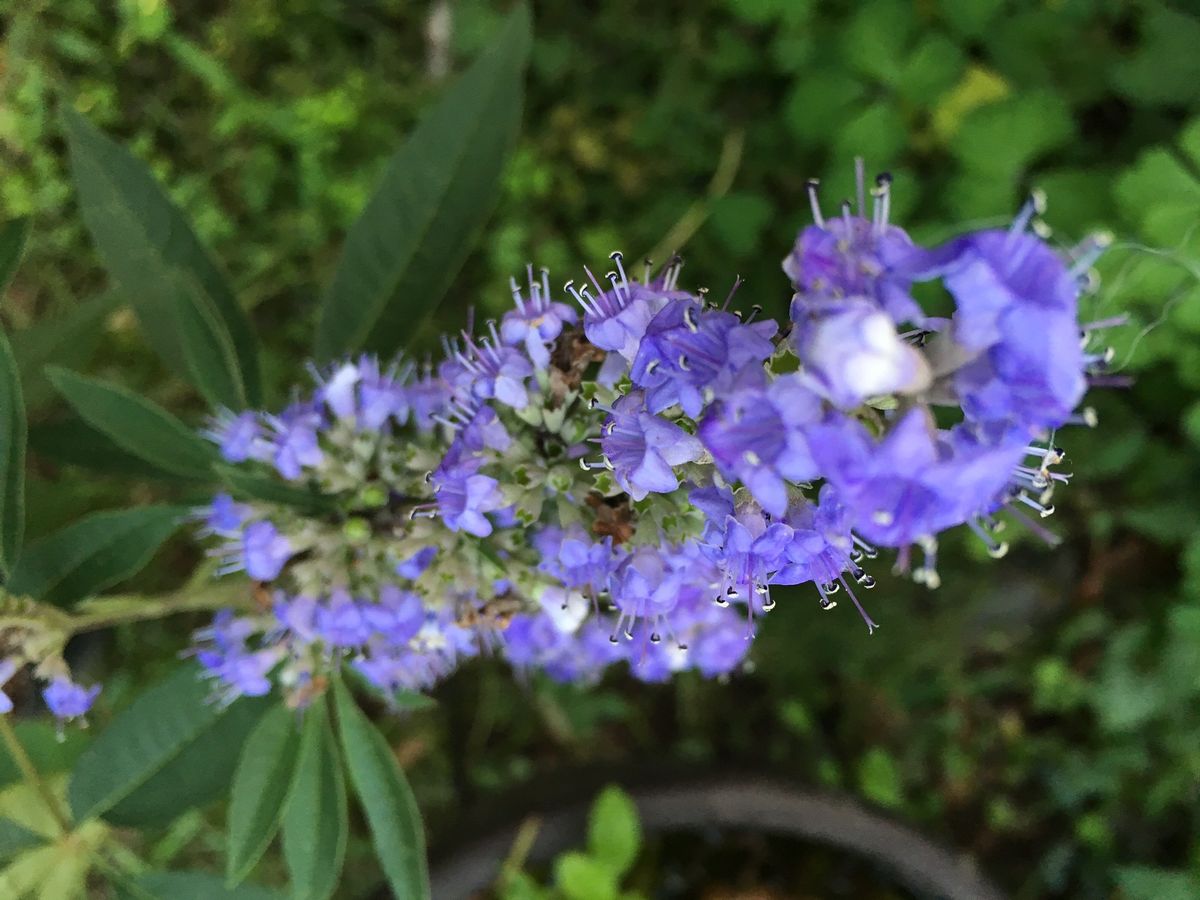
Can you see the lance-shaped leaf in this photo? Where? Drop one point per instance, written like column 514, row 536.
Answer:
column 172, row 727
column 435, row 195
column 383, row 791
column 194, row 886
column 260, row 786
column 315, row 822
column 12, row 459
column 12, row 245
column 94, row 553
column 136, row 425
column 69, row 339
column 186, row 308
column 14, row 839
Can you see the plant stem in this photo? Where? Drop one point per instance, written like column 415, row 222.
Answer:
column 30, row 773
column 105, row 612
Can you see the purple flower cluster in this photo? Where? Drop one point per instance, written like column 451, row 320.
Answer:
column 65, row 699
column 626, row 479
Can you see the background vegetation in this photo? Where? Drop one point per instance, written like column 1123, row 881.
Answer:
column 1039, row 712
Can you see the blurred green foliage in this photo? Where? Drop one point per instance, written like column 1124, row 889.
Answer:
column 1040, row 712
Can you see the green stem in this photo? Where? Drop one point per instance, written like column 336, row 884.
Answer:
column 120, row 609
column 32, row 778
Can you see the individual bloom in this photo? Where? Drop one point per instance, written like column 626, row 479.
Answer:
column 718, row 639
column 8, row 668
column 536, row 322
column 687, row 349
column 397, row 617
column 757, row 433
column 990, row 272
column 574, row 558
column 1033, row 376
column 493, row 371
column 224, row 516
column 295, row 445
column 339, row 390
column 616, row 318
column 413, row 567
column 239, row 436
column 243, row 672
column 341, row 622
column 851, row 352
column 428, row 396
column 821, row 545
column 642, row 447
column 381, row 394
column 751, row 550
column 852, row 256
column 463, row 495
column 484, row 431
column 983, row 468
column 532, row 639
column 297, row 616
column 68, row 700
column 650, row 582
column 264, row 551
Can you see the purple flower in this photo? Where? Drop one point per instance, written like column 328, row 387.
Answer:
column 849, row 256
column 341, row 622
column 463, row 495
column 642, row 448
column 751, row 550
column 536, row 322
column 427, row 397
column 851, row 352
column 415, row 565
column 821, row 543
column 687, row 349
column 264, row 551
column 295, row 443
column 397, row 617
column 223, row 516
column 339, row 391
column 757, row 433
column 616, row 318
column 381, row 395
column 574, row 558
column 239, row 436
column 485, row 431
column 491, row 371
column 68, row 700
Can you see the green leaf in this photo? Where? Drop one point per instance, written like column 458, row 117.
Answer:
column 14, row 839
column 272, row 490
column 435, row 195
column 189, row 314
column 12, row 244
column 580, row 877
column 260, row 786
column 158, row 733
column 136, row 425
column 94, row 553
column 879, row 778
column 614, row 832
column 49, row 748
column 383, row 791
column 198, row 886
column 72, row 442
column 1146, row 883
column 69, row 339
column 315, row 825
column 199, row 774
column 12, row 459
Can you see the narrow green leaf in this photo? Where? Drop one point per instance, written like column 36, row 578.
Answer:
column 260, row 786
column 94, row 553
column 198, row 775
column 12, row 244
column 136, row 425
column 14, row 839
column 69, row 339
column 149, row 248
column 435, row 195
column 197, row 886
column 383, row 791
column 12, row 459
column 315, row 825
column 72, row 442
column 157, row 734
column 272, row 490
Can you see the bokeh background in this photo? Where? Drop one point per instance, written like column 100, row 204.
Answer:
column 1041, row 712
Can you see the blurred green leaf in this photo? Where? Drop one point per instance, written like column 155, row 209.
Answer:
column 580, row 877
column 137, row 425
column 12, row 460
column 13, row 234
column 70, row 339
column 188, row 311
column 614, row 831
column 879, row 778
column 49, row 748
column 260, row 786
column 1147, row 883
column 93, row 553
column 315, row 823
column 141, row 757
column 198, row 886
column 438, row 190
column 14, row 839
column 738, row 220
column 269, row 488
column 396, row 829
column 1164, row 68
